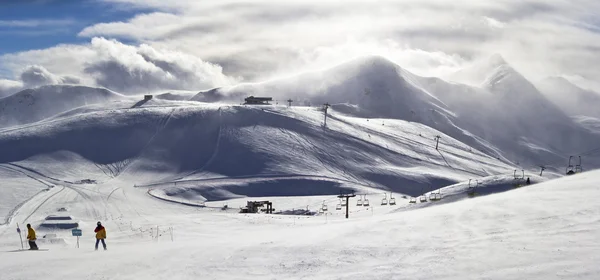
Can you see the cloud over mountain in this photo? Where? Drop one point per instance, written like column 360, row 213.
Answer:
column 192, row 45
column 133, row 69
column 117, row 66
column 35, row 75
column 259, row 39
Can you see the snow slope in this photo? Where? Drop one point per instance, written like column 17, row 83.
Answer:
column 160, row 144
column 574, row 100
column 36, row 104
column 545, row 231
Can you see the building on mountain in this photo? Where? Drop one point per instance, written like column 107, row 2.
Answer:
column 251, row 100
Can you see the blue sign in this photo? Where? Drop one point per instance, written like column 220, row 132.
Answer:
column 77, row 232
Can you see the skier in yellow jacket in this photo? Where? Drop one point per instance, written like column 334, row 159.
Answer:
column 100, row 235
column 31, row 238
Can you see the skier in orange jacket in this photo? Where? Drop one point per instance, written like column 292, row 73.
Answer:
column 100, row 235
column 31, row 238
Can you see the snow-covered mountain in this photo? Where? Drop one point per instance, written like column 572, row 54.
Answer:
column 378, row 86
column 504, row 110
column 510, row 112
column 168, row 177
column 36, row 104
column 574, row 100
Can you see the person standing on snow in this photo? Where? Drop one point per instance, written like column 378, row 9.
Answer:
column 31, row 238
column 100, row 235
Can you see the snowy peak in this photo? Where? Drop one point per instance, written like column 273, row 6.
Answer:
column 496, row 60
column 485, row 73
column 368, row 64
column 378, row 86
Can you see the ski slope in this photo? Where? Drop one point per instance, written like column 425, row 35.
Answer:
column 215, row 141
column 549, row 231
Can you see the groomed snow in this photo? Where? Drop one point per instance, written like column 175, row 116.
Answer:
column 544, row 231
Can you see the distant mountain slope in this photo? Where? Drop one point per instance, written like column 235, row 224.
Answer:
column 190, row 142
column 572, row 99
column 503, row 110
column 510, row 112
column 36, row 104
column 377, row 85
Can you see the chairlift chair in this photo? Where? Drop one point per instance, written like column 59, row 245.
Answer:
column 384, row 200
column 392, row 200
column 423, row 198
column 359, row 202
column 570, row 169
column 324, row 207
column 338, row 207
column 471, row 189
column 432, row 196
column 517, row 177
column 578, row 168
column 412, row 200
column 435, row 196
column 343, row 202
column 365, row 201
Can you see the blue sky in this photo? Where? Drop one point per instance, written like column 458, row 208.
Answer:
column 39, row 24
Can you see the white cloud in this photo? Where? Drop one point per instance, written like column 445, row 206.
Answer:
column 259, row 39
column 133, row 69
column 117, row 66
column 31, row 23
column 8, row 87
column 36, row 75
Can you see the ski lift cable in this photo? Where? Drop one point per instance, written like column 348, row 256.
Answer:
column 586, row 153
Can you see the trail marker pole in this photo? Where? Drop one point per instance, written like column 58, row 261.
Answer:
column 437, row 141
column 20, row 237
column 325, row 107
